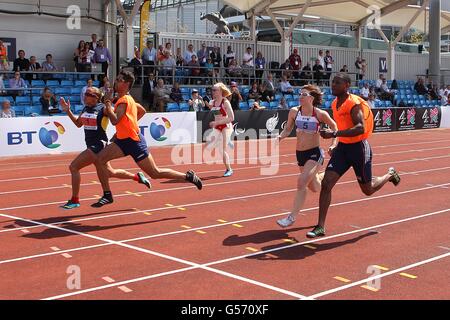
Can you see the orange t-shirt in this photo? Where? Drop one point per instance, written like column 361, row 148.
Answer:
column 344, row 120
column 127, row 126
column 3, row 53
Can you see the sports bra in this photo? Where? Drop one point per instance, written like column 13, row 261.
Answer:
column 307, row 124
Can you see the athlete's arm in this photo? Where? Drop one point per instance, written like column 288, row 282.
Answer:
column 140, row 111
column 289, row 125
column 324, row 117
column 357, row 129
column 228, row 119
column 115, row 117
column 66, row 108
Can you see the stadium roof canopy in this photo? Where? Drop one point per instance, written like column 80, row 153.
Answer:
column 359, row 12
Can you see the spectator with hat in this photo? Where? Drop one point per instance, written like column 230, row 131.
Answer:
column 235, row 97
column 196, row 102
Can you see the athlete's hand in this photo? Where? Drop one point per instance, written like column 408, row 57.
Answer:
column 326, row 134
column 64, row 105
column 331, row 149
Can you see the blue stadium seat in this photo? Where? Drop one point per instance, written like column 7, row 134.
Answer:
column 63, row 91
column 292, row 104
column 96, row 83
column 273, row 105
column 328, row 104
column 185, row 90
column 52, row 83
column 184, row 106
column 23, row 101
column 243, row 106
column 186, row 97
column 278, row 96
column 19, row 110
column 288, row 97
column 33, row 109
column 35, row 100
column 80, row 83
column 75, row 99
column 38, row 83
column 11, row 99
column 172, row 107
column 264, row 104
column 67, row 83
column 75, row 90
column 78, row 108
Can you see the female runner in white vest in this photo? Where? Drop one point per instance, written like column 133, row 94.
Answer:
column 307, row 119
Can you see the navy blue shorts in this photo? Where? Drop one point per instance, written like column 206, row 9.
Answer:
column 357, row 155
column 314, row 154
column 97, row 146
column 136, row 149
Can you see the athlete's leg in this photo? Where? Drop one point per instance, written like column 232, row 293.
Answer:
column 110, row 152
column 84, row 159
column 329, row 181
column 316, row 182
column 226, row 133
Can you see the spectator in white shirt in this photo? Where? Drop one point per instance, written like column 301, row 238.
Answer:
column 188, row 54
column 379, row 81
column 321, row 59
column 364, row 92
column 248, row 58
column 89, row 84
column 285, row 86
column 196, row 102
column 6, row 111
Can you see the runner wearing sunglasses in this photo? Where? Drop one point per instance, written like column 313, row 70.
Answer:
column 94, row 121
column 307, row 118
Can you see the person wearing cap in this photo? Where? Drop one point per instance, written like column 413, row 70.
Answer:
column 196, row 102
column 235, row 96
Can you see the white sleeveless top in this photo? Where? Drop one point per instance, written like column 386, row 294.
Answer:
column 307, row 124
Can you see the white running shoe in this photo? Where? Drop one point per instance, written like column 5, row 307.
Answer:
column 286, row 222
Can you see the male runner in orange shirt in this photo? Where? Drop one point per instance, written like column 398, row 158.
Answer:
column 355, row 124
column 129, row 140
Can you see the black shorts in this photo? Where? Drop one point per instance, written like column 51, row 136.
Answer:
column 136, row 149
column 315, row 154
column 97, row 146
column 357, row 155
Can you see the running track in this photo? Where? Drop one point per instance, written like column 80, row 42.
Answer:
column 175, row 242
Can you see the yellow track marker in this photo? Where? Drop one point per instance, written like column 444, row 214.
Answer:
column 135, row 209
column 65, row 185
column 369, row 288
column 221, row 221
column 309, row 247
column 252, row 249
column 200, row 231
column 341, row 279
column 237, row 225
column 182, row 209
column 185, row 227
column 148, row 213
column 125, row 289
column 134, row 194
column 381, row 267
column 108, row 279
column 95, row 182
column 407, row 275
column 169, row 205
column 289, row 241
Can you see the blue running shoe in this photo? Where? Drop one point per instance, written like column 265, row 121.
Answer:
column 144, row 180
column 70, row 205
column 228, row 173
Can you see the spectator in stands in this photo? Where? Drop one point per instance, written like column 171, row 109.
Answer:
column 161, row 96
column 285, row 86
column 359, row 71
column 48, row 65
column 321, row 59
column 148, row 88
column 255, row 106
column 283, row 104
column 234, row 70
column 385, row 92
column 260, row 64
column 34, row 66
column 169, row 65
column 17, row 83
column 363, row 68
column 175, row 94
column 419, row 87
column 247, row 60
column 209, row 69
column 365, row 91
column 443, row 93
column 394, row 86
column 434, row 92
column 306, row 76
column 89, row 84
column 287, row 69
column 448, row 101
column 168, row 48
column 265, row 94
column 103, row 56
column 196, row 102
column 148, row 57
column 21, row 63
column 296, row 63
column 77, row 55
column 318, row 72
column 235, row 97
column 194, row 69
column 85, row 59
column 269, row 85
column 329, row 62
column 48, row 102
column 160, row 57
column 372, row 100
column 188, row 54
column 136, row 64
column 379, row 82
column 227, row 57
column 179, row 58
column 6, row 111
column 202, row 56
column 344, row 69
column 254, row 93
column 2, row 86
column 207, row 98
column 93, row 44
column 4, row 63
column 216, row 59
column 106, row 89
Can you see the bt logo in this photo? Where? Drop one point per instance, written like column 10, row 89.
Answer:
column 47, row 136
column 158, row 128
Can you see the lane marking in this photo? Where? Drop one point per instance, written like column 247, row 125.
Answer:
column 55, row 248
column 237, row 225
column 186, row 227
column 410, row 266
column 290, row 241
column 271, row 256
column 108, row 279
column 147, row 213
column 252, row 249
column 66, row 255
column 380, row 267
column 310, row 247
column 181, row 208
column 125, row 289
column 407, row 275
column 221, row 221
column 133, row 194
column 200, row 231
column 342, row 279
column 445, row 248
column 169, row 205
column 369, row 288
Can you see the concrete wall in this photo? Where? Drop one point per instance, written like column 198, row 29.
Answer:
column 40, row 34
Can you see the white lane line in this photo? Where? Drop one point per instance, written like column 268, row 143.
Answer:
column 193, row 187
column 385, row 274
column 153, row 276
column 161, row 255
column 222, row 200
column 445, row 248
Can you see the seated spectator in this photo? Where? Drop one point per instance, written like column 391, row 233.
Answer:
column 169, row 65
column 17, row 83
column 176, row 95
column 209, row 68
column 448, row 101
column 48, row 65
column 235, row 97
column 394, row 86
column 364, row 92
column 385, row 92
column 34, row 66
column 255, row 106
column 196, row 102
column 48, row 102
column 318, row 72
column 228, row 57
column 2, row 86
column 179, row 58
column 207, row 98
column 306, row 75
column 168, row 49
column 254, row 93
column 270, row 85
column 344, row 69
column 148, row 88
column 420, row 88
column 106, row 90
column 266, row 95
column 6, row 111
column 89, row 84
column 379, row 82
column 434, row 92
column 21, row 63
column 194, row 69
column 234, row 70
column 444, row 93
column 260, row 64
column 372, row 100
column 188, row 54
column 202, row 55
column 287, row 69
column 161, row 96
column 283, row 104
column 285, row 86
column 216, row 59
